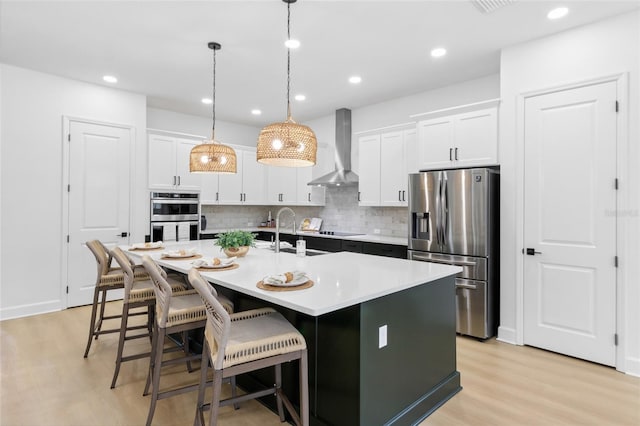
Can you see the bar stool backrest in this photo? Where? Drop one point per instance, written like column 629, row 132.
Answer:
column 125, row 264
column 102, row 256
column 161, row 288
column 218, row 319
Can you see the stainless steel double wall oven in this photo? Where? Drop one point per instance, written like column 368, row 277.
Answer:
column 174, row 216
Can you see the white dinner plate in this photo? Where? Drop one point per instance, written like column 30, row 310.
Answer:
column 299, row 281
column 205, row 264
column 176, row 255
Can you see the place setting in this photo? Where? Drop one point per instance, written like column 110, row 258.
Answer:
column 182, row 254
column 146, row 246
column 287, row 281
column 216, row 264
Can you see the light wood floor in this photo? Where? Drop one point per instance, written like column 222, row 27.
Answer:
column 46, row 381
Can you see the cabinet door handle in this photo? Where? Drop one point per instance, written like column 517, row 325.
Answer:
column 358, row 195
column 309, row 196
column 399, row 195
column 174, row 180
column 456, row 156
column 244, row 194
column 450, row 154
column 241, row 196
column 217, row 196
column 178, row 180
column 403, row 196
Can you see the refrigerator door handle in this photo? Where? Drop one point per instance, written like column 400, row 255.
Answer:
column 438, row 215
column 445, row 209
column 468, row 286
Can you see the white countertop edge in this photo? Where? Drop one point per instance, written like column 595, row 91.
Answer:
column 333, row 273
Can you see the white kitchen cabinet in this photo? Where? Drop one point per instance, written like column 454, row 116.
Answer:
column 169, row 163
column 386, row 159
column 281, row 185
column 369, row 170
column 308, row 195
column 246, row 186
column 467, row 139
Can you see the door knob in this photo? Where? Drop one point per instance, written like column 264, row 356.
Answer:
column 533, row 252
column 123, row 235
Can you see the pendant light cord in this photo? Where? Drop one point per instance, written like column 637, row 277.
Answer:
column 213, row 98
column 288, row 61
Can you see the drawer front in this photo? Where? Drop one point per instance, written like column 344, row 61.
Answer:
column 353, row 246
column 388, row 250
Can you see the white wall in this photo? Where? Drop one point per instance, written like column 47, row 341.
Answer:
column 226, row 132
column 32, row 107
column 602, row 49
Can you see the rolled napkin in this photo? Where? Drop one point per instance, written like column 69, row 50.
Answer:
column 180, row 253
column 286, row 277
column 198, row 263
column 157, row 244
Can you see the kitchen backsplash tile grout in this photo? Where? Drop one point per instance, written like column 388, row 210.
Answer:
column 341, row 212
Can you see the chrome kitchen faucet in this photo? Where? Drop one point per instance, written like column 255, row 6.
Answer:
column 277, row 246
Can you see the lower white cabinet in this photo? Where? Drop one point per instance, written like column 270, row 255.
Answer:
column 386, row 159
column 168, row 164
column 467, row 139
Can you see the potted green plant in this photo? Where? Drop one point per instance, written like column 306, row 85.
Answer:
column 235, row 243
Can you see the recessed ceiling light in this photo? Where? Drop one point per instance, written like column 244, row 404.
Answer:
column 558, row 13
column 110, row 79
column 438, row 52
column 207, row 101
column 292, row 43
column 355, row 79
column 300, row 97
column 256, row 112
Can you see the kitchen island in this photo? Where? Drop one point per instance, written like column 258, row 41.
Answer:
column 380, row 331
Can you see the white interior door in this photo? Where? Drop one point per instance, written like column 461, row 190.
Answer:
column 98, row 200
column 570, row 171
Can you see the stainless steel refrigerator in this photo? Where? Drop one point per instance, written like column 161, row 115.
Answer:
column 454, row 219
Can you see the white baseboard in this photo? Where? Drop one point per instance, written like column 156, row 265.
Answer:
column 632, row 366
column 507, row 335
column 30, row 309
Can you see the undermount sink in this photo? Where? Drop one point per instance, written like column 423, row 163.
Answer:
column 309, row 252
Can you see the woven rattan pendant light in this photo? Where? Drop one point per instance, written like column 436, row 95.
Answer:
column 211, row 156
column 287, row 144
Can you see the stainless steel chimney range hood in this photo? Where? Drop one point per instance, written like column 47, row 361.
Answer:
column 342, row 175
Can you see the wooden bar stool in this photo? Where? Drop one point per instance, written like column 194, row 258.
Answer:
column 243, row 342
column 137, row 294
column 108, row 278
column 175, row 313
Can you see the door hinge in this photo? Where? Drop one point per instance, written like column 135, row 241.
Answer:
column 615, row 261
column 67, row 237
column 67, row 289
column 615, row 339
column 616, row 184
column 617, row 106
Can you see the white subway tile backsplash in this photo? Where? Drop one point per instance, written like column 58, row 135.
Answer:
column 341, row 213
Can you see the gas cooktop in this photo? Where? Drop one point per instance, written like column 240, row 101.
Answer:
column 340, row 233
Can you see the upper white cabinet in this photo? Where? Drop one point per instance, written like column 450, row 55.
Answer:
column 466, row 139
column 288, row 185
column 246, row 186
column 386, row 159
column 169, row 163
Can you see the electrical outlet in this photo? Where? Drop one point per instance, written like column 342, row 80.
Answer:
column 376, row 231
column 382, row 336
column 250, row 224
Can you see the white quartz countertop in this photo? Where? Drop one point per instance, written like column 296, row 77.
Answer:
column 340, row 279
column 372, row 238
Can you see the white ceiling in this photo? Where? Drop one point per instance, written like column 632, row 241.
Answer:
column 159, row 48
